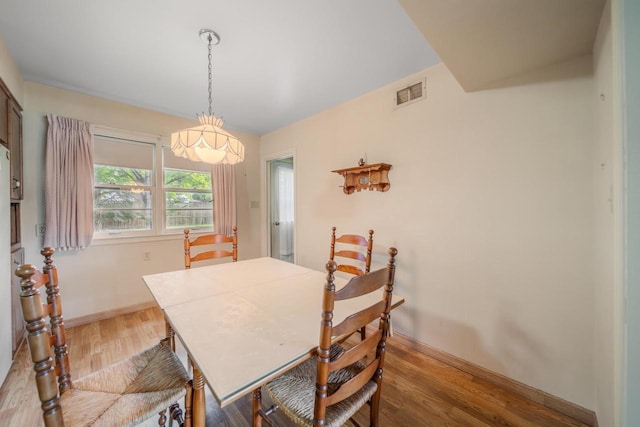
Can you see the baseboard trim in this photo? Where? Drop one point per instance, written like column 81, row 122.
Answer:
column 543, row 398
column 94, row 317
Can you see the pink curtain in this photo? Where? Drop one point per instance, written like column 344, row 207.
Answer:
column 224, row 198
column 68, row 184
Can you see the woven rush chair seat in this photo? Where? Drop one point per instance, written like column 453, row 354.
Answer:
column 128, row 392
column 294, row 392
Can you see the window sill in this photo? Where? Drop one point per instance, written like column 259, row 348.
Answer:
column 123, row 240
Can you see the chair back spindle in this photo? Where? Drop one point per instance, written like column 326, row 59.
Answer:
column 53, row 376
column 54, row 304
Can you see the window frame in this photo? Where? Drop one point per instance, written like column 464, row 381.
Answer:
column 157, row 189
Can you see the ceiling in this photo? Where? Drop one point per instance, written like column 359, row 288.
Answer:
column 278, row 61
column 485, row 43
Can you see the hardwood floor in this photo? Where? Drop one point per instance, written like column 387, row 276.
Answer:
column 417, row 390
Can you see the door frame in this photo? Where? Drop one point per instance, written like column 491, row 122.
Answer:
column 629, row 85
column 266, row 200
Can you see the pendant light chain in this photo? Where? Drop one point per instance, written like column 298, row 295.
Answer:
column 210, row 79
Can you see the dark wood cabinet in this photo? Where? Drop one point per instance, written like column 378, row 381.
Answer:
column 17, row 325
column 15, row 149
column 11, row 137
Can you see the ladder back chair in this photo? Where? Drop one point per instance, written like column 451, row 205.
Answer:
column 328, row 389
column 210, row 239
column 359, row 250
column 352, row 242
column 123, row 394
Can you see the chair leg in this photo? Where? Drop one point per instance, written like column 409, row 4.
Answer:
column 259, row 414
column 375, row 408
column 170, row 335
column 188, row 398
column 163, row 418
column 256, row 405
column 198, row 408
column 176, row 414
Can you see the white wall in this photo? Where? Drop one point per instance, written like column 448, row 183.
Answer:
column 491, row 209
column 10, row 73
column 605, row 207
column 106, row 277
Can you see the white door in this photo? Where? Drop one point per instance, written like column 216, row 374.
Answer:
column 281, row 202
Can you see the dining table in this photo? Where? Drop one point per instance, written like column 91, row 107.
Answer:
column 244, row 323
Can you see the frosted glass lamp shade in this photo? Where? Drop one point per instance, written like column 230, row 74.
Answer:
column 208, row 143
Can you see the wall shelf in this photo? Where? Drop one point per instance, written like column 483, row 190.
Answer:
column 365, row 177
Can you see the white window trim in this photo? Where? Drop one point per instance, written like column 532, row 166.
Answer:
column 158, row 230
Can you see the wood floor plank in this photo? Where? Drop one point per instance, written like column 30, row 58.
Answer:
column 417, row 390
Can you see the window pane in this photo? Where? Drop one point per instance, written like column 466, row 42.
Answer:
column 193, row 218
column 122, row 220
column 179, row 178
column 188, row 200
column 188, row 209
column 115, row 175
column 108, row 198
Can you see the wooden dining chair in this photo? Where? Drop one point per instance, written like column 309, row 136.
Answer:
column 123, row 394
column 208, row 240
column 353, row 248
column 328, row 389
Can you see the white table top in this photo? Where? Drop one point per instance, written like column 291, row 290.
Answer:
column 246, row 322
column 177, row 287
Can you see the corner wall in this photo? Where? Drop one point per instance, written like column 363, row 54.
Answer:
column 605, row 211
column 490, row 207
column 108, row 277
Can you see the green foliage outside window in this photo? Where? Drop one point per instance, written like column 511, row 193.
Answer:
column 189, row 203
column 118, row 204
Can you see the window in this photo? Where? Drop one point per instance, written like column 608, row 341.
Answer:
column 187, row 193
column 141, row 188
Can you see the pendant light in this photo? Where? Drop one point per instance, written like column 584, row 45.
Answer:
column 208, row 142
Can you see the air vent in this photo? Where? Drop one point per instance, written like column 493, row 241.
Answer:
column 411, row 93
